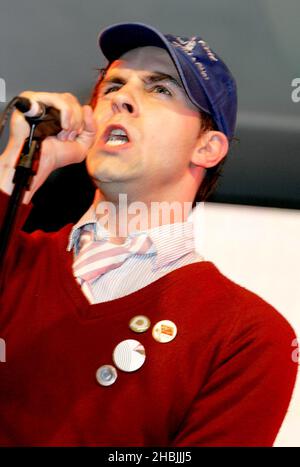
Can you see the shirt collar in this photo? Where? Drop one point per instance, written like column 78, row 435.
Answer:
column 170, row 241
column 88, row 219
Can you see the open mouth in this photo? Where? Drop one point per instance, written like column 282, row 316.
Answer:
column 115, row 135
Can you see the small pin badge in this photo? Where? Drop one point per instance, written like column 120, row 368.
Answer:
column 139, row 323
column 106, row 375
column 164, row 331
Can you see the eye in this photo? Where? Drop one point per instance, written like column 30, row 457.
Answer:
column 161, row 90
column 111, row 88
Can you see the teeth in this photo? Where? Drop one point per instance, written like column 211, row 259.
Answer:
column 116, row 137
column 113, row 141
column 118, row 132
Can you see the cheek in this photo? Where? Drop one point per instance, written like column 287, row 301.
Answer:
column 101, row 113
column 187, row 137
column 90, row 162
column 173, row 135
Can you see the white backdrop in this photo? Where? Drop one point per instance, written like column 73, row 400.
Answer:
column 258, row 248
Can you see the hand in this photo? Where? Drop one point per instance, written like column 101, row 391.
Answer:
column 69, row 146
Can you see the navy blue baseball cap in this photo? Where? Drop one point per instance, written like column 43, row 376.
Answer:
column 206, row 79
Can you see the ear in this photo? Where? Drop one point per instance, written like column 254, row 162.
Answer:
column 211, row 148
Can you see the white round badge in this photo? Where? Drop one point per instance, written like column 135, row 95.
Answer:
column 129, row 355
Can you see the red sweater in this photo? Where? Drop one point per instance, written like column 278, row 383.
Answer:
column 226, row 379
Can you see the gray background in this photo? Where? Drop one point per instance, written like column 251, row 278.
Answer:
column 51, row 45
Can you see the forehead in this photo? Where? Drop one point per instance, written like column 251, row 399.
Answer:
column 147, row 59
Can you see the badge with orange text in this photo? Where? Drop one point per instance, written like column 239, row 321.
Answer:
column 164, row 331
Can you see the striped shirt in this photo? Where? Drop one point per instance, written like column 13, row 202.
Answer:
column 173, row 247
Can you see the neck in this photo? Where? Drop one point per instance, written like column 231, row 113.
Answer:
column 122, row 217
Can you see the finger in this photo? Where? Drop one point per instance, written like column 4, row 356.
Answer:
column 69, row 107
column 76, row 112
column 72, row 135
column 63, row 135
column 18, row 128
column 89, row 120
column 76, row 119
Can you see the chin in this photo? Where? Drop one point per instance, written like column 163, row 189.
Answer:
column 95, row 168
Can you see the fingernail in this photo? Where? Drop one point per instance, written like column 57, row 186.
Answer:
column 62, row 136
column 72, row 135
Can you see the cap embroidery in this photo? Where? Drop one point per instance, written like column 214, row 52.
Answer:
column 202, row 70
column 188, row 47
column 210, row 54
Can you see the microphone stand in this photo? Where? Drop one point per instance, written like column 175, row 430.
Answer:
column 26, row 168
column 40, row 128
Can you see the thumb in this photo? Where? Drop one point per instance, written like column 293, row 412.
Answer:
column 89, row 121
column 88, row 133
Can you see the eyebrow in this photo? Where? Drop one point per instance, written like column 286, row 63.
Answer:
column 154, row 77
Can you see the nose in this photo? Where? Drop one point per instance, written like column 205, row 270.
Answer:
column 123, row 102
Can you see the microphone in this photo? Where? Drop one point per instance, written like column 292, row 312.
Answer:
column 46, row 118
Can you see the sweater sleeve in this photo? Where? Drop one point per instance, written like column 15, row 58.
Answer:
column 22, row 214
column 246, row 396
column 16, row 237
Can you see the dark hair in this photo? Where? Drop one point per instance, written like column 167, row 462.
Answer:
column 94, row 95
column 210, row 180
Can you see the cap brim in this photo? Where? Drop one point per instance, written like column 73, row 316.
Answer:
column 118, row 39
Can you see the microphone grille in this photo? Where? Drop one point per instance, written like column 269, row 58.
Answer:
column 23, row 104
